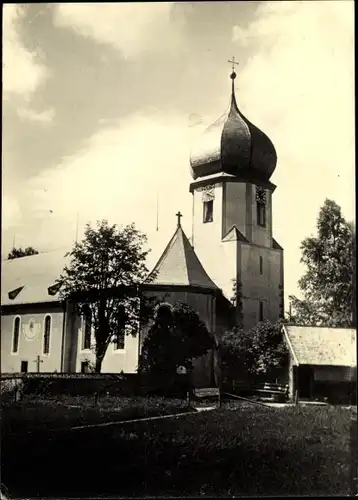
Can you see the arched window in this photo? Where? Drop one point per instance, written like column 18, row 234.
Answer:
column 208, row 211
column 164, row 314
column 163, row 307
column 16, row 335
column 86, row 343
column 261, row 214
column 47, row 334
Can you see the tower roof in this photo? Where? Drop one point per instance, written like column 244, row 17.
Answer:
column 235, row 146
column 179, row 264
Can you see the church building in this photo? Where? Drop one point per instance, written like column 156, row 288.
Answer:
column 231, row 269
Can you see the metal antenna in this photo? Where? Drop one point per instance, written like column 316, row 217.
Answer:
column 77, row 217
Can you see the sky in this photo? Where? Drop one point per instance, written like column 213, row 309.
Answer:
column 103, row 102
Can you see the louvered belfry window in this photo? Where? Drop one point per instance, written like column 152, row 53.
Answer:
column 261, row 206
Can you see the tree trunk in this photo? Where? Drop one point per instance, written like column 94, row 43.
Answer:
column 98, row 364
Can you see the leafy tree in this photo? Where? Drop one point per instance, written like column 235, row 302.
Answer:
column 177, row 337
column 328, row 283
column 103, row 280
column 16, row 253
column 260, row 351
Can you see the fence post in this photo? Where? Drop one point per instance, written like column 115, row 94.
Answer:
column 296, row 396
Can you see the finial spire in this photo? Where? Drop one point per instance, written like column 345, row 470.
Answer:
column 233, row 74
column 179, row 216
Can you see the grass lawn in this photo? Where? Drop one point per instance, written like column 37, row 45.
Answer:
column 250, row 451
column 35, row 414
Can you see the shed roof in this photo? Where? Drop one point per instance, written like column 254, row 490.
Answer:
column 322, row 346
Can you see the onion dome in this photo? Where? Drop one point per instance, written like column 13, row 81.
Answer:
column 233, row 145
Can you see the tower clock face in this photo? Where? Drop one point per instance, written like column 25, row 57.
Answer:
column 31, row 329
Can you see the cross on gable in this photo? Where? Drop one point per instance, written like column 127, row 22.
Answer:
column 179, row 216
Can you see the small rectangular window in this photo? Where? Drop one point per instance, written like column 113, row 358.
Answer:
column 119, row 341
column 84, row 367
column 208, row 207
column 261, row 214
column 24, row 365
column 261, row 265
column 261, row 311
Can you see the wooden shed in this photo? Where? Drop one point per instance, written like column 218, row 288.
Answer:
column 322, row 363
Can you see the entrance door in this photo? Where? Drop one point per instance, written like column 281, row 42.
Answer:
column 24, row 365
column 305, row 381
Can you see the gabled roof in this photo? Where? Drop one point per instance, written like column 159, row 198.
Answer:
column 180, row 266
column 311, row 345
column 276, row 245
column 235, row 235
column 27, row 279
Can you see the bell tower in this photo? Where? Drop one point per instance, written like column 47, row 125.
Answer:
column 231, row 166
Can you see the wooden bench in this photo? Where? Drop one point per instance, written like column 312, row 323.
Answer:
column 206, row 393
column 264, row 388
column 272, row 389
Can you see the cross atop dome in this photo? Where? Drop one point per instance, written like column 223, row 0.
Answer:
column 233, row 62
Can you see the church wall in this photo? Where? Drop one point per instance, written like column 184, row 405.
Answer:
column 258, row 287
column 202, row 230
column 218, row 258
column 31, row 342
column 225, row 317
column 73, row 324
column 203, row 371
column 115, row 360
column 126, row 359
column 234, row 198
column 201, row 303
column 204, row 305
